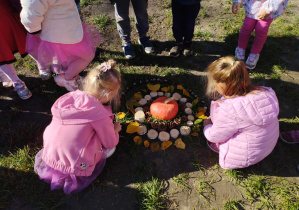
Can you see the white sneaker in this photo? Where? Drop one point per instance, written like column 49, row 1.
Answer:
column 109, row 152
column 5, row 80
column 70, row 85
column 240, row 54
column 252, row 60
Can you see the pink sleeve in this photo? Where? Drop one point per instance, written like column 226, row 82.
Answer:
column 222, row 129
column 106, row 133
column 272, row 6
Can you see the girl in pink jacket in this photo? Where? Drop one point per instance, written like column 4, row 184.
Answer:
column 58, row 40
column 259, row 16
column 243, row 124
column 82, row 134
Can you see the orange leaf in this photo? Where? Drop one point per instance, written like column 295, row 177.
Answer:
column 137, row 139
column 186, row 93
column 155, row 146
column 165, row 145
column 194, row 134
column 138, row 96
column 180, row 87
column 202, row 109
column 179, row 144
column 146, row 143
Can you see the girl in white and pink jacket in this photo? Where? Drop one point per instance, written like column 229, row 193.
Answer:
column 243, row 123
column 259, row 16
column 58, row 40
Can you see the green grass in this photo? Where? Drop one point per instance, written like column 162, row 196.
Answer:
column 102, row 21
column 232, row 204
column 206, row 191
column 182, row 181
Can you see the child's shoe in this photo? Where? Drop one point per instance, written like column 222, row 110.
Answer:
column 6, row 82
column 290, row 137
column 213, row 146
column 146, row 44
column 109, row 152
column 252, row 60
column 240, row 54
column 22, row 90
column 176, row 50
column 70, row 85
column 45, row 74
column 128, row 50
column 187, row 48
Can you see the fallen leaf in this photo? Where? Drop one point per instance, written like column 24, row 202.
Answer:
column 197, row 121
column 137, row 139
column 186, row 93
column 180, row 87
column 138, row 96
column 165, row 89
column 146, row 143
column 202, row 109
column 120, row 115
column 196, row 128
column 179, row 144
column 194, row 134
column 165, row 145
column 155, row 146
column 154, row 88
column 195, row 101
column 133, row 127
column 171, row 89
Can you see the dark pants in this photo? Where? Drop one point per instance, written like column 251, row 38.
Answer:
column 184, row 20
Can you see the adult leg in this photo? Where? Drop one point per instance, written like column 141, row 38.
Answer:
column 190, row 15
column 122, row 19
column 141, row 16
column 178, row 21
column 261, row 33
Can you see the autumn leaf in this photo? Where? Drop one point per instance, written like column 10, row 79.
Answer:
column 202, row 109
column 154, row 88
column 165, row 145
column 196, row 128
column 201, row 115
column 137, row 138
column 165, row 89
column 171, row 89
column 155, row 146
column 194, row 134
column 133, row 127
column 120, row 115
column 138, row 96
column 146, row 143
column 194, row 102
column 179, row 144
column 197, row 121
column 180, row 87
column 186, row 93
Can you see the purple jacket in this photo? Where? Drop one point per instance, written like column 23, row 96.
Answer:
column 246, row 127
column 81, row 128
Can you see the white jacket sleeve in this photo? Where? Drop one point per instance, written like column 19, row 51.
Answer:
column 222, row 129
column 271, row 6
column 32, row 14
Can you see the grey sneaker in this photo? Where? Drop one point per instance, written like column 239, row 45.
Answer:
column 176, row 50
column 252, row 60
column 22, row 90
column 128, row 50
column 146, row 44
column 187, row 48
column 45, row 74
column 240, row 54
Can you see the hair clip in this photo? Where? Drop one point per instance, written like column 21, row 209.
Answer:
column 104, row 67
column 233, row 63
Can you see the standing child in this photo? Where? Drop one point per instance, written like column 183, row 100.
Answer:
column 81, row 135
column 12, row 39
column 259, row 16
column 184, row 13
column 243, row 123
column 124, row 29
column 58, row 40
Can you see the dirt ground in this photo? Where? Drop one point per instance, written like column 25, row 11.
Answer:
column 116, row 187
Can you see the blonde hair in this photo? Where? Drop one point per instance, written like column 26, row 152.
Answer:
column 103, row 79
column 232, row 73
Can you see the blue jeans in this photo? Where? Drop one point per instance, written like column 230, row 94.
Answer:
column 123, row 20
column 184, row 17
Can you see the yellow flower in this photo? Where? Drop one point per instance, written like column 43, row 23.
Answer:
column 154, row 88
column 133, row 127
column 146, row 143
column 120, row 115
column 155, row 146
column 179, row 144
column 165, row 145
column 180, row 87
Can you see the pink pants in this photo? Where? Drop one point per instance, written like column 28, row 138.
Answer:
column 261, row 28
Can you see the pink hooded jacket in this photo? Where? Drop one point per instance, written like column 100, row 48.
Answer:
column 81, row 128
column 246, row 127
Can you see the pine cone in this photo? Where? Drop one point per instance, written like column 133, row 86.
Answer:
column 177, row 121
column 182, row 105
column 171, row 125
column 149, row 119
column 162, row 126
column 184, row 118
column 148, row 114
column 155, row 125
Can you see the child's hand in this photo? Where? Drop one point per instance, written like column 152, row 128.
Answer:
column 117, row 126
column 207, row 121
column 263, row 14
column 235, row 8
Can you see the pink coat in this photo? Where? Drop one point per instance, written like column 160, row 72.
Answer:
column 246, row 127
column 80, row 130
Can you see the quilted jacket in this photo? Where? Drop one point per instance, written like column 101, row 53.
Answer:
column 246, row 128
